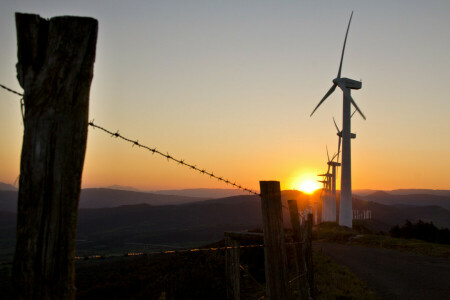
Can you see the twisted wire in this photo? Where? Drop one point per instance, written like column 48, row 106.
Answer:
column 171, row 158
column 153, row 150
column 10, row 90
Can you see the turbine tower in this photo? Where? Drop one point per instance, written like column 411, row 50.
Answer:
column 325, row 197
column 334, row 165
column 345, row 84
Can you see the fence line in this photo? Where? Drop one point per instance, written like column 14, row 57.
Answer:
column 152, row 150
column 136, row 253
column 169, row 157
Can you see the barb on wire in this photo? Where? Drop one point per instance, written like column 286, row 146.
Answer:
column 169, row 157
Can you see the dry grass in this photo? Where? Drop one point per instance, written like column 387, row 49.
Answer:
column 406, row 245
column 335, row 233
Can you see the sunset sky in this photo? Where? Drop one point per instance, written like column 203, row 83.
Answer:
column 229, row 86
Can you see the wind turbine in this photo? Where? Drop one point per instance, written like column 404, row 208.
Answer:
column 329, row 199
column 345, row 84
column 334, row 165
column 321, row 206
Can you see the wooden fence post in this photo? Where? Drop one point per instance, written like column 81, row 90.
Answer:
column 308, row 254
column 55, row 69
column 300, row 261
column 274, row 242
column 233, row 274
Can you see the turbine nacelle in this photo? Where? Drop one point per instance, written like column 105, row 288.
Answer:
column 325, row 175
column 334, row 164
column 352, row 135
column 348, row 83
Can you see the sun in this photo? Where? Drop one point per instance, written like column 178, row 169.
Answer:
column 308, row 186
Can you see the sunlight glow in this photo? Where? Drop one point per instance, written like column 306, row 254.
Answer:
column 308, row 186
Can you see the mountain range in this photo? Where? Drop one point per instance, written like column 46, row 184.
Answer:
column 104, row 198
column 120, row 220
column 409, row 199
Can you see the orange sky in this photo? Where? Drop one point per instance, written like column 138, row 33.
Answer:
column 230, row 86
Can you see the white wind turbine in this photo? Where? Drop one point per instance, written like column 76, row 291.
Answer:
column 346, row 84
column 328, row 201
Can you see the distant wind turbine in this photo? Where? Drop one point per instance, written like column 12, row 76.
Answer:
column 329, row 199
column 345, row 84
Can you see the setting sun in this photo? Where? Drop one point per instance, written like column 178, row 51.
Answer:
column 308, row 186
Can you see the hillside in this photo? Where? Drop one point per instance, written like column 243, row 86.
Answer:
column 195, row 222
column 104, row 198
column 7, row 187
column 412, row 199
column 203, row 193
column 386, row 216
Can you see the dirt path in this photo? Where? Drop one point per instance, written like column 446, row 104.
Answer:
column 392, row 274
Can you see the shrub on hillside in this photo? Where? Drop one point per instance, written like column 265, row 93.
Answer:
column 421, row 231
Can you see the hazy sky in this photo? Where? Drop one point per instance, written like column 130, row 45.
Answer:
column 229, row 86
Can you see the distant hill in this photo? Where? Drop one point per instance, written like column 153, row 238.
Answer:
column 8, row 201
column 123, row 188
column 366, row 192
column 104, row 198
column 386, row 216
column 203, row 193
column 130, row 227
column 420, row 191
column 412, row 199
column 7, row 187
column 139, row 226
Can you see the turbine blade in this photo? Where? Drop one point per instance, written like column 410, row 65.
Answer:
column 337, row 128
column 353, row 114
column 347, row 94
column 357, row 108
column 327, row 153
column 330, row 91
column 343, row 48
column 334, row 156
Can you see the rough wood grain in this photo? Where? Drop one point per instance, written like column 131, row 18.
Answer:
column 233, row 274
column 274, row 241
column 55, row 69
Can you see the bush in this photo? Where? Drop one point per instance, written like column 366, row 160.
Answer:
column 421, row 231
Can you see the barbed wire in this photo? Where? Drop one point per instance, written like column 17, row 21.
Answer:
column 22, row 104
column 139, row 253
column 153, row 150
column 10, row 90
column 169, row 157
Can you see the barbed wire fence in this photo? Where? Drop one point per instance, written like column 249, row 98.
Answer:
column 182, row 162
column 153, row 150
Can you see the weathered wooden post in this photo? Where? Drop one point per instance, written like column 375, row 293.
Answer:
column 300, row 261
column 233, row 274
column 55, row 69
column 274, row 242
column 308, row 254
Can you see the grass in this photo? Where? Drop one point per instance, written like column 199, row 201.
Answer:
column 362, row 236
column 405, row 245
